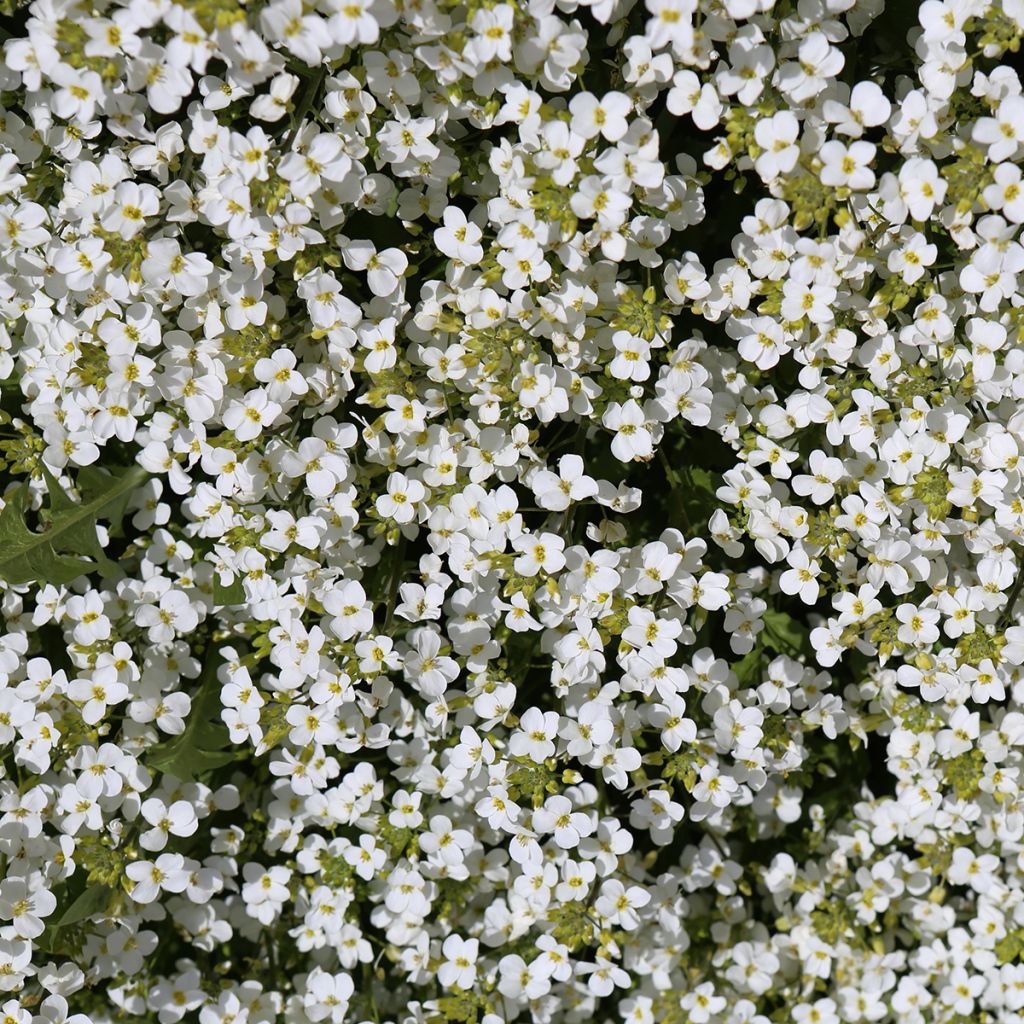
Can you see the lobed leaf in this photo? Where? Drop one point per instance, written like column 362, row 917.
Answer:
column 205, row 743
column 67, row 547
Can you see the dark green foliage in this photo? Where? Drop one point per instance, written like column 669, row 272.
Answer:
column 205, row 743
column 66, row 546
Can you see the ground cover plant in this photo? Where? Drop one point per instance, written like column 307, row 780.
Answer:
column 512, row 510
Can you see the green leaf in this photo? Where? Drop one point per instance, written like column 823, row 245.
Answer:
column 274, row 724
column 748, row 668
column 94, row 899
column 784, row 634
column 95, row 483
column 698, row 492
column 54, row 555
column 77, row 901
column 205, row 744
column 78, row 534
column 233, row 593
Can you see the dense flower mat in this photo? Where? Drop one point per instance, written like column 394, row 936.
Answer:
column 512, row 511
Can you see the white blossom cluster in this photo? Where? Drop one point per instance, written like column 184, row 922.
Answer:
column 512, row 511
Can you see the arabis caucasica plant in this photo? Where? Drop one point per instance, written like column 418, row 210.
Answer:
column 512, row 510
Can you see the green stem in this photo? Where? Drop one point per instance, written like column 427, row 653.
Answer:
column 1007, row 615
column 396, row 578
column 673, row 483
column 304, row 108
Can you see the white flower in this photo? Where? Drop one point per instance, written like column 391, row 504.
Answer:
column 178, row 819
column 1002, row 134
column 354, row 23
column 975, row 871
column 847, row 166
column 166, row 874
column 618, row 904
column 535, row 737
column 538, row 553
column 384, row 269
column 493, row 33
column 327, row 996
column 819, row 484
column 632, row 436
column 558, row 817
column 777, row 137
column 24, row 908
column 606, row 116
column 801, row 579
column 166, row 266
column 401, row 498
column 459, row 237
column 459, row 966
column 671, row 23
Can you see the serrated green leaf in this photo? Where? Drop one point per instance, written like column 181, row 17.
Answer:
column 94, row 483
column 205, row 743
column 54, row 554
column 18, row 544
column 79, row 534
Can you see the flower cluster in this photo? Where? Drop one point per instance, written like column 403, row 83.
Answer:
column 512, row 510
